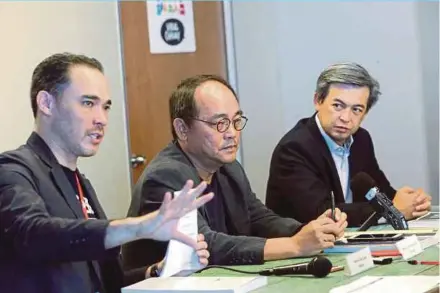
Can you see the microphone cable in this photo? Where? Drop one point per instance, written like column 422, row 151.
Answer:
column 229, row 269
column 269, row 271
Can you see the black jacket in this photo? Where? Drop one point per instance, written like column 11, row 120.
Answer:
column 249, row 222
column 45, row 242
column 303, row 174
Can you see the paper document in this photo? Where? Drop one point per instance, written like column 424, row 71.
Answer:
column 430, row 241
column 424, row 231
column 401, row 284
column 198, row 284
column 181, row 259
column 430, row 220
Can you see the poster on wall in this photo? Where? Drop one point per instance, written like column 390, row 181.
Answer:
column 171, row 27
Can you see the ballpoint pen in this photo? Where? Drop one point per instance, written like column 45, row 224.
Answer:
column 336, row 269
column 423, row 262
column 333, row 206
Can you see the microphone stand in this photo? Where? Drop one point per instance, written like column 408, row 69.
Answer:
column 371, row 221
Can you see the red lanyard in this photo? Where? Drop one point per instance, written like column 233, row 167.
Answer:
column 81, row 197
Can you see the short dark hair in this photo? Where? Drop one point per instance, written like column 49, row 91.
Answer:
column 182, row 102
column 52, row 74
column 347, row 73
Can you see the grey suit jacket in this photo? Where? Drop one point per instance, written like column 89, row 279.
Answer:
column 249, row 222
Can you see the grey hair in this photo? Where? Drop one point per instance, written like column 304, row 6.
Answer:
column 349, row 74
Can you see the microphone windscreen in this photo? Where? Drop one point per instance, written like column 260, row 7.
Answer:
column 361, row 183
column 321, row 266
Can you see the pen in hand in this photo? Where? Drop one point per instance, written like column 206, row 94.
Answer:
column 333, row 206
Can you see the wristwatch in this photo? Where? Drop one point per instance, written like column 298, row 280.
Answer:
column 154, row 271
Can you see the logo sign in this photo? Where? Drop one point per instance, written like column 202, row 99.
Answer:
column 172, row 32
column 171, row 27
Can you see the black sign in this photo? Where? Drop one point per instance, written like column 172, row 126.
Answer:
column 172, row 31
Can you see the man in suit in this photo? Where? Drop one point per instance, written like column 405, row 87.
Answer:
column 54, row 236
column 322, row 153
column 206, row 125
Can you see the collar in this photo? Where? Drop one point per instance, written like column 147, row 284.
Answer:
column 179, row 147
column 332, row 145
column 40, row 147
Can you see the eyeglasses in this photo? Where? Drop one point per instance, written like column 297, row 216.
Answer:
column 224, row 123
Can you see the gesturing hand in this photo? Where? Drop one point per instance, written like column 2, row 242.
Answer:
column 161, row 225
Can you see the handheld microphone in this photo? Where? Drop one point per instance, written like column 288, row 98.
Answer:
column 318, row 267
column 362, row 183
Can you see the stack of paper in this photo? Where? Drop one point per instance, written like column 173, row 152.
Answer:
column 430, row 220
column 197, row 284
column 401, row 284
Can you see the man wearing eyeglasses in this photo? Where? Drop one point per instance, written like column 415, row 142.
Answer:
column 206, row 125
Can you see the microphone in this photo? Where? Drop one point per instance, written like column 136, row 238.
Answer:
column 362, row 183
column 318, row 267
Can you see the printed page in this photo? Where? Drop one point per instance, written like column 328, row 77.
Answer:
column 181, row 259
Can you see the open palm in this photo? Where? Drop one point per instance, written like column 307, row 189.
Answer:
column 161, row 225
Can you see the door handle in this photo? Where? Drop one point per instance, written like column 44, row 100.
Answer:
column 137, row 160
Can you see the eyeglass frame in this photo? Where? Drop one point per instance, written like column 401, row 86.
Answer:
column 224, row 119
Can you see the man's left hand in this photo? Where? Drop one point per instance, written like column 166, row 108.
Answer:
column 202, row 252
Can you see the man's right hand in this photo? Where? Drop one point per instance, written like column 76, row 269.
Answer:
column 316, row 236
column 159, row 225
column 310, row 240
column 341, row 220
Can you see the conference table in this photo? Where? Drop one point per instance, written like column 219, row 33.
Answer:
column 311, row 284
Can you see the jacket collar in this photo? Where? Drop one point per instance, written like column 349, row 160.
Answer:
column 40, row 147
column 233, row 193
column 323, row 149
column 42, row 150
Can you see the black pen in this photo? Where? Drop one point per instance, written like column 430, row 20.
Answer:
column 333, row 206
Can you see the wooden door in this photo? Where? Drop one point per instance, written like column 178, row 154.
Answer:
column 150, row 78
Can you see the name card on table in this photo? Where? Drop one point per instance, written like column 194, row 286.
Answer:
column 430, row 241
column 409, row 247
column 359, row 261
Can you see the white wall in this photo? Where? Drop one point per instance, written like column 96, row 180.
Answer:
column 31, row 31
column 281, row 47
